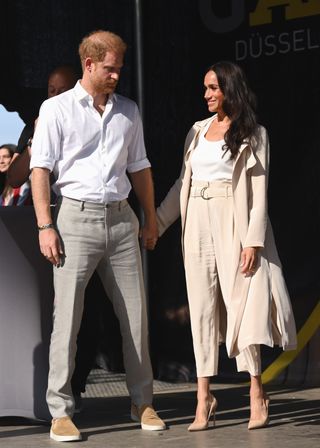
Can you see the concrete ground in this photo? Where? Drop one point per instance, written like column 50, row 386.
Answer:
column 105, row 420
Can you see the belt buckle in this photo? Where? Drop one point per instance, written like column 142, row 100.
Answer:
column 202, row 192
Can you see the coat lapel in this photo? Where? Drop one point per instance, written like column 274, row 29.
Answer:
column 251, row 159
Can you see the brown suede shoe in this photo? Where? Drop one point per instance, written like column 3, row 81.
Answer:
column 63, row 430
column 148, row 417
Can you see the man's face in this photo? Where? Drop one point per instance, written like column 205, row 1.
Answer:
column 59, row 83
column 104, row 75
column 5, row 159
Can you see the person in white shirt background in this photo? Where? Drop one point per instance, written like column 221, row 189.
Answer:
column 90, row 137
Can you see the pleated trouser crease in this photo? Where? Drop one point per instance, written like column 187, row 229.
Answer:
column 209, row 241
column 103, row 238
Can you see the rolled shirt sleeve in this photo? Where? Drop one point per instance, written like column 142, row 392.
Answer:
column 46, row 142
column 137, row 158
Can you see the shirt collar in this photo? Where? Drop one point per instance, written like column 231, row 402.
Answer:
column 81, row 94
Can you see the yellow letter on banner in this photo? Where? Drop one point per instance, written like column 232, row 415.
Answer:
column 294, row 9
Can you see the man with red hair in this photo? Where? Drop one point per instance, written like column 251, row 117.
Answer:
column 90, row 138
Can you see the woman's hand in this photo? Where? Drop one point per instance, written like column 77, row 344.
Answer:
column 248, row 260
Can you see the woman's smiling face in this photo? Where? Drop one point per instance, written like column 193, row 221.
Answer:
column 213, row 95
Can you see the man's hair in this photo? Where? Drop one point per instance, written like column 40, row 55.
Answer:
column 96, row 44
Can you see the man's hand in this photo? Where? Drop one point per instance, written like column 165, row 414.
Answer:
column 143, row 187
column 50, row 246
column 248, row 260
column 49, row 241
column 149, row 234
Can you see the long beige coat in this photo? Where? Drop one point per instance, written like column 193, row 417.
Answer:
column 260, row 310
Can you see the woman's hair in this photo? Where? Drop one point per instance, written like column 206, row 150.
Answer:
column 10, row 147
column 239, row 104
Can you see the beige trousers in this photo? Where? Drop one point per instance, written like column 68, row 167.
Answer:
column 209, row 240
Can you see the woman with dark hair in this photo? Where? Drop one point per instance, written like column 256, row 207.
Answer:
column 6, row 154
column 9, row 195
column 236, row 290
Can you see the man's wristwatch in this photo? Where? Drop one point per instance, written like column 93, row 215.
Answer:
column 46, row 226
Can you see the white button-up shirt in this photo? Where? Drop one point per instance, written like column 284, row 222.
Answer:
column 89, row 154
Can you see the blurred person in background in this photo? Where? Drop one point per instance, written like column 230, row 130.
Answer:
column 9, row 195
column 60, row 80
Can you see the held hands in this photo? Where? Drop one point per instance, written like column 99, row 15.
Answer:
column 248, row 260
column 149, row 234
column 50, row 246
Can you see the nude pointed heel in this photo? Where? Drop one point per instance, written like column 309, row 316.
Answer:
column 262, row 422
column 212, row 405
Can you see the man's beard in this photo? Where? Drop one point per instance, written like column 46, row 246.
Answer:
column 105, row 87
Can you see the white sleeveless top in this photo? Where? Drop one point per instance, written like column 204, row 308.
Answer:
column 209, row 162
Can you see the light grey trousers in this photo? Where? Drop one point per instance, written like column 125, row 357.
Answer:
column 102, row 237
column 208, row 242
